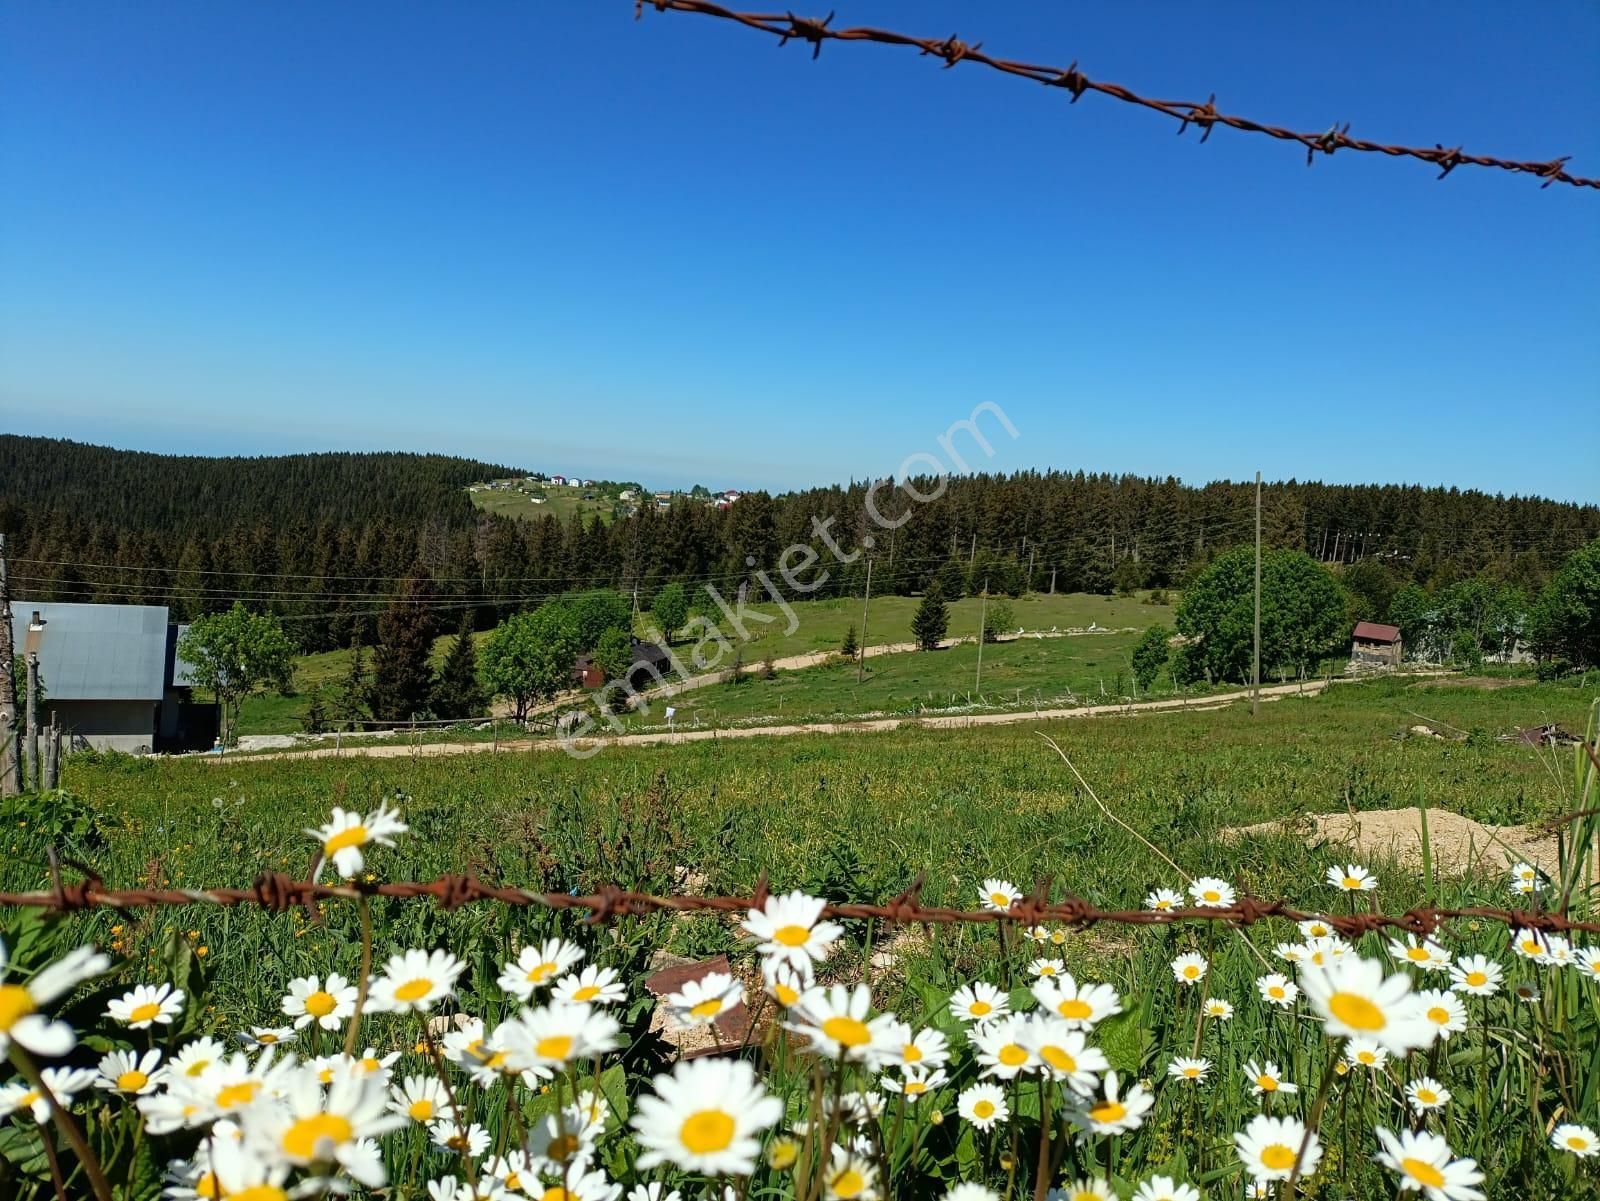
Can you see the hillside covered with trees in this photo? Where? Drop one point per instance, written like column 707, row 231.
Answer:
column 327, row 541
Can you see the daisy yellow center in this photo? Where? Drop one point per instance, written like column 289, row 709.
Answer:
column 1278, row 1156
column 555, row 1193
column 1088, row 1196
column 785, row 994
column 847, row 1031
column 1423, row 1172
column 1108, row 1111
column 1058, row 1059
column 320, row 1004
column 306, row 1135
column 1427, row 1096
column 1190, row 971
column 1356, row 1011
column 1267, row 1083
column 197, row 1068
column 915, row 1088
column 1000, row 898
column 237, row 1094
column 707, row 1009
column 369, row 1064
column 414, row 990
column 556, row 1046
column 267, row 1038
column 514, row 1181
column 791, row 936
column 1577, row 1142
column 28, row 1098
column 980, row 1009
column 707, row 1131
column 326, row 1075
column 562, row 1148
column 1530, row 947
column 1352, row 882
column 207, row 1186
column 132, row 1081
column 541, row 972
column 1416, row 954
column 259, row 1192
column 1211, row 894
column 1275, row 991
column 849, row 1183
column 1163, row 904
column 148, row 1012
column 421, row 1111
column 1012, row 1055
column 983, row 1109
column 783, row 1155
column 587, row 993
column 1438, row 1015
column 911, row 1053
column 355, row 836
column 15, row 1004
column 1074, row 1008
column 1366, row 1057
column 496, row 1061
column 1191, row 1072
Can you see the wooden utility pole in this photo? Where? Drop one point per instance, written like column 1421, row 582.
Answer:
column 31, row 774
column 866, row 599
column 1052, row 581
column 983, row 604
column 10, row 743
column 1255, row 659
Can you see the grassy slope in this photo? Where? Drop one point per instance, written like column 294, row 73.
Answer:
column 560, row 503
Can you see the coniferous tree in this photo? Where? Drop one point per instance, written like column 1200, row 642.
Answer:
column 402, row 676
column 351, row 705
column 849, row 646
column 458, row 692
column 931, row 620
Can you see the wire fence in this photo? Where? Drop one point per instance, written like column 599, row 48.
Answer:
column 280, row 892
column 952, row 50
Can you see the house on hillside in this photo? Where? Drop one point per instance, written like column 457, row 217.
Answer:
column 558, row 480
column 111, row 676
column 1373, row 644
column 650, row 662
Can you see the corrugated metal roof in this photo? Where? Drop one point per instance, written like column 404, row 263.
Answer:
column 1374, row 631
column 95, row 652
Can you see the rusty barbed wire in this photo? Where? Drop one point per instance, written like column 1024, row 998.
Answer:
column 279, row 892
column 951, row 50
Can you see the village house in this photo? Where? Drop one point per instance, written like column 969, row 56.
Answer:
column 650, row 660
column 111, row 677
column 1374, row 644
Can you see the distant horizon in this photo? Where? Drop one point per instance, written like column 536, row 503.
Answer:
column 718, row 483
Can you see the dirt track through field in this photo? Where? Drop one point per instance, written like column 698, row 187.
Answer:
column 589, row 745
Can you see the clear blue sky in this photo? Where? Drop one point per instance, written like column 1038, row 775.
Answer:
column 546, row 234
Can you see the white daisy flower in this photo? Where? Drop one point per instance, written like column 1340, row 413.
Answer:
column 1427, row 955
column 999, row 1048
column 1531, row 944
column 971, row 1192
column 21, row 1019
column 1589, row 961
column 1575, row 1140
column 591, row 986
column 1218, row 1010
column 450, row 1135
column 983, row 1105
column 706, row 1117
column 543, row 1041
column 230, row 1169
column 1082, row 1007
column 979, row 1002
column 1189, row 968
column 999, row 895
column 348, row 832
column 371, row 1061
column 914, row 1083
column 1062, row 1052
column 1106, row 1112
column 1320, row 952
column 265, row 1036
column 783, row 983
column 1269, row 1147
column 1291, row 952
column 129, row 1072
column 1527, row 879
column 1425, row 1093
column 1366, row 1053
column 1211, row 893
column 1355, row 1000
column 1165, row 1188
column 421, row 1099
column 234, row 1083
column 1192, row 1071
column 1039, row 934
column 1085, row 1188
column 656, row 1191
column 1317, row 927
column 587, row 1114
column 789, row 929
column 1557, row 951
column 835, row 1021
column 512, row 1173
column 1047, row 968
column 415, row 980
column 1476, row 975
column 309, row 1000
column 557, row 1149
column 312, row 1126
column 64, row 1083
column 850, row 1176
column 1164, row 900
column 706, row 999
column 193, row 1058
column 1445, row 1010
column 1277, row 989
column 1351, row 877
column 926, row 1049
column 1527, row 991
column 144, row 1005
column 537, row 966
column 1423, row 1163
column 1267, row 1078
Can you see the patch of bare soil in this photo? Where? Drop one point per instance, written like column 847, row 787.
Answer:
column 1458, row 843
column 1485, row 683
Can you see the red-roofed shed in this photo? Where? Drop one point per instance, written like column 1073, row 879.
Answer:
column 1373, row 643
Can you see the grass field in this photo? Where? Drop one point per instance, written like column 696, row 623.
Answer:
column 560, row 503
column 857, row 818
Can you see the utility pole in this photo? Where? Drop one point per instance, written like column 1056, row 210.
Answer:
column 10, row 744
column 31, row 772
column 1255, row 663
column 983, row 604
column 973, row 553
column 1052, row 581
column 866, row 599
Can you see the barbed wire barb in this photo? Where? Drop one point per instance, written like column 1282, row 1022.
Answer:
column 951, row 50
